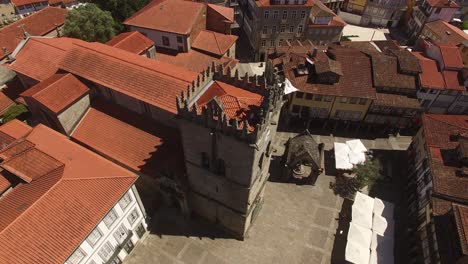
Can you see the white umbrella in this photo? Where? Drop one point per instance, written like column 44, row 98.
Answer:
column 382, row 226
column 342, row 156
column 379, row 242
column 383, row 208
column 359, row 235
column 356, row 145
column 362, row 208
column 357, row 254
column 356, row 157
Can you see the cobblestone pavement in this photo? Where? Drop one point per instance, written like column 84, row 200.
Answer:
column 296, row 225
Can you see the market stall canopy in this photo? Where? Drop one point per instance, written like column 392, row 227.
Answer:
column 342, row 156
column 383, row 226
column 357, row 254
column 362, row 210
column 356, row 145
column 383, row 208
column 359, row 235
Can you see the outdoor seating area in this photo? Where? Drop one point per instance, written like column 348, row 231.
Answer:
column 371, row 231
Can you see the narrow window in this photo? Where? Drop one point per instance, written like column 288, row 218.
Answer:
column 165, row 41
column 205, row 162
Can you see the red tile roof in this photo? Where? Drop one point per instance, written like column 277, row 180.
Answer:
column 15, row 129
column 452, row 82
column 213, row 42
column 355, row 82
column 176, row 16
column 226, row 12
column 237, row 103
column 438, row 132
column 57, row 92
column 5, row 103
column 39, row 58
column 195, row 60
column 461, row 221
column 440, row 28
column 131, row 140
column 49, row 217
column 450, row 55
column 133, row 42
column 430, row 77
column 320, row 7
column 148, row 80
column 37, row 24
column 443, row 3
column 4, row 183
column 26, row 2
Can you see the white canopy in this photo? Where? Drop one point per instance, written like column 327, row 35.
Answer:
column 370, row 235
column 357, row 254
column 359, row 235
column 349, row 154
column 361, row 212
column 342, row 156
column 356, row 145
column 288, row 87
column 383, row 226
column 383, row 208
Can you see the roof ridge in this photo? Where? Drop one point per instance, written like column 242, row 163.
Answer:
column 132, row 63
column 35, row 202
column 52, row 83
column 100, row 178
column 216, row 40
column 23, row 139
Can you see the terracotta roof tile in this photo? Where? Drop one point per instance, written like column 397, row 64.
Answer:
column 15, row 129
column 148, row 80
column 17, row 147
column 133, row 42
column 39, row 58
column 386, row 74
column 213, row 42
column 49, row 217
column 195, row 61
column 5, row 103
column 237, row 103
column 175, row 16
column 133, row 141
column 266, row 3
column 26, row 2
column 438, row 132
column 452, row 82
column 320, row 10
column 440, row 28
column 355, row 82
column 430, row 77
column 226, row 12
column 58, row 94
column 407, row 62
column 37, row 24
column 451, row 56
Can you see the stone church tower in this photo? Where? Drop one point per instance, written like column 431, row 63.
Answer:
column 227, row 129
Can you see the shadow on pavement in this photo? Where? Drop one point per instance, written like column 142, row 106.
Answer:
column 170, row 221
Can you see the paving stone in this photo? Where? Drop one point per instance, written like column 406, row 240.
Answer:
column 318, row 237
column 323, row 217
column 192, row 253
column 311, row 256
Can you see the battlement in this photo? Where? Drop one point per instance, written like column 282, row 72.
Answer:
column 214, row 115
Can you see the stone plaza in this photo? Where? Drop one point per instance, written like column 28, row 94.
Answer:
column 297, row 224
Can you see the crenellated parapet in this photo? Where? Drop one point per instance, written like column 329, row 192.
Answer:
column 212, row 115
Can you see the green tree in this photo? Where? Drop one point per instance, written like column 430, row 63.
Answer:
column 14, row 112
column 120, row 9
column 365, row 175
column 89, row 23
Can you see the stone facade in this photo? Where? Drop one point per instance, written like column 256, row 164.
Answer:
column 227, row 166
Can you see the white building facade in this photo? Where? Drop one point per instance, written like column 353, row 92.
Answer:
column 116, row 235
